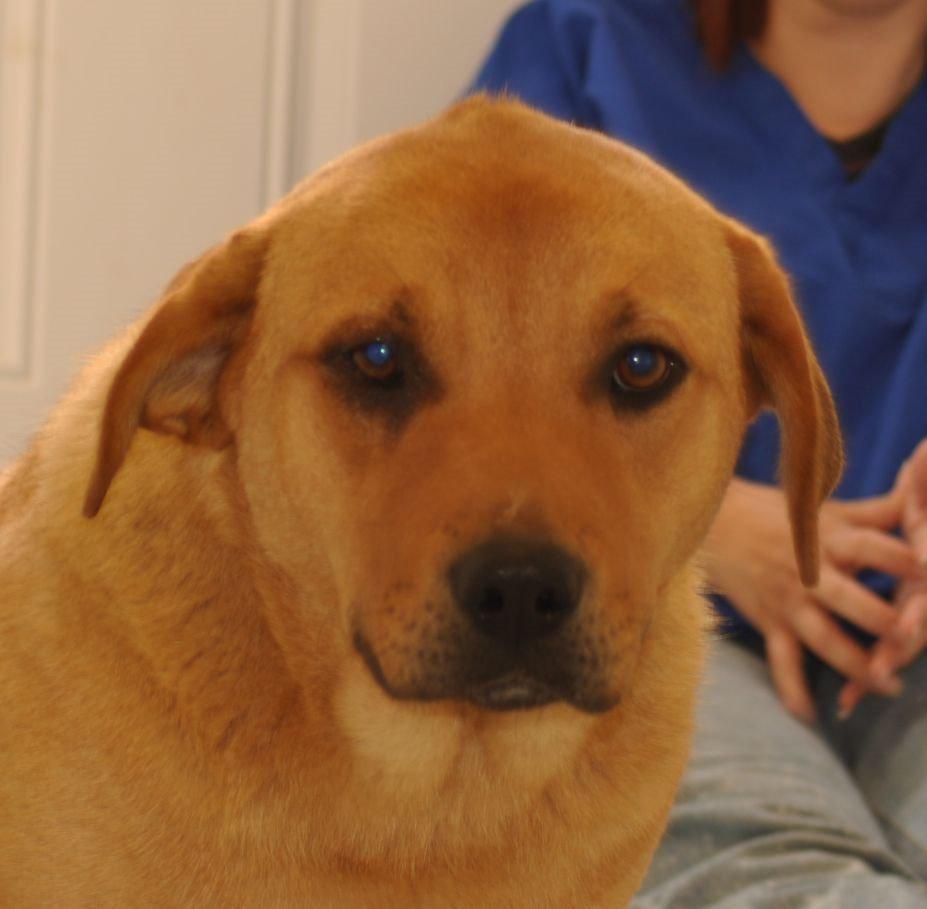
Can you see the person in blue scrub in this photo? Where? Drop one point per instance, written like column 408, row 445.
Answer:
column 807, row 120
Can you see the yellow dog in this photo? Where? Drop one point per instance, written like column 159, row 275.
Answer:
column 361, row 572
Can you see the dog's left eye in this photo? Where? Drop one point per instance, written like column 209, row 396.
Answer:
column 642, row 367
column 377, row 360
column 643, row 374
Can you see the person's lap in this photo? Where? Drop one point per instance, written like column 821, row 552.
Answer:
column 768, row 814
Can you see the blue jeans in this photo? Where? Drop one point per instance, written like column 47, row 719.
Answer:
column 773, row 814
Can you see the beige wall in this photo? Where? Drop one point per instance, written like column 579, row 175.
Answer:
column 382, row 64
column 133, row 133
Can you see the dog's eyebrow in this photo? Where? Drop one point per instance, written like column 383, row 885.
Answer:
column 624, row 312
column 628, row 310
column 401, row 310
column 398, row 317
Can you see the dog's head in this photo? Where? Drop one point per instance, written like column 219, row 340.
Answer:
column 485, row 383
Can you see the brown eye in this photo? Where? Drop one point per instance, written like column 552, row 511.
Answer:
column 376, row 360
column 642, row 367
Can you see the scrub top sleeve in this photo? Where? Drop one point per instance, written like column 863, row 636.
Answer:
column 530, row 62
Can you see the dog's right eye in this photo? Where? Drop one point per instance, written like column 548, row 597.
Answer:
column 377, row 360
column 380, row 375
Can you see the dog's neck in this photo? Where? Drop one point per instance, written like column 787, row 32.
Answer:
column 176, row 594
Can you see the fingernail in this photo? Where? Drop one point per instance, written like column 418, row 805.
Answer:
column 912, row 626
column 804, row 713
column 891, row 686
column 846, row 702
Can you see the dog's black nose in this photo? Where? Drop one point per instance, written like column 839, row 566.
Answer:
column 516, row 591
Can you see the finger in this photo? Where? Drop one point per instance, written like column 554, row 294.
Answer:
column 824, row 637
column 894, row 651
column 846, row 597
column 890, row 654
column 787, row 665
column 913, row 621
column 850, row 696
column 885, row 658
column 883, row 512
column 917, row 468
column 915, row 531
column 905, row 641
column 914, row 483
column 864, row 547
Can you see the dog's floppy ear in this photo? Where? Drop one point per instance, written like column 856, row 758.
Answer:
column 168, row 381
column 782, row 373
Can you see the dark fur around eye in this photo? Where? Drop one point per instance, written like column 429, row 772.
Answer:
column 393, row 398
column 626, row 399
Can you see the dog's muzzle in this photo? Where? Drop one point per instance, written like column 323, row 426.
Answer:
column 515, row 593
column 513, row 638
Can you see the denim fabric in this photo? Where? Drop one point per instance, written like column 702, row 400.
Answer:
column 773, row 814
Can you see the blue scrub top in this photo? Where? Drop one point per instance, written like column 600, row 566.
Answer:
column 856, row 250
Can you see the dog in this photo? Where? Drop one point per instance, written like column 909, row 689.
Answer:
column 363, row 570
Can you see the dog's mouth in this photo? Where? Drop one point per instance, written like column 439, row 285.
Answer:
column 486, row 684
column 514, row 691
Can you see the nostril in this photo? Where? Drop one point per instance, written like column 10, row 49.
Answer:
column 549, row 602
column 492, row 601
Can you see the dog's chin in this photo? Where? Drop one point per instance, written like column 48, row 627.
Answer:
column 509, row 737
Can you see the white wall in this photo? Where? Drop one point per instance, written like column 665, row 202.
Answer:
column 134, row 133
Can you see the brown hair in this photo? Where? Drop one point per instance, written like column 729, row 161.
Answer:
column 723, row 24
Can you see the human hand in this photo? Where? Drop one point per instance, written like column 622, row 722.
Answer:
column 908, row 637
column 749, row 558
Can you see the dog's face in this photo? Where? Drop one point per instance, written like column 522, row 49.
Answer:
column 487, row 402
column 504, row 406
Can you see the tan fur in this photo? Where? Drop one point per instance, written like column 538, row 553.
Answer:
column 186, row 721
